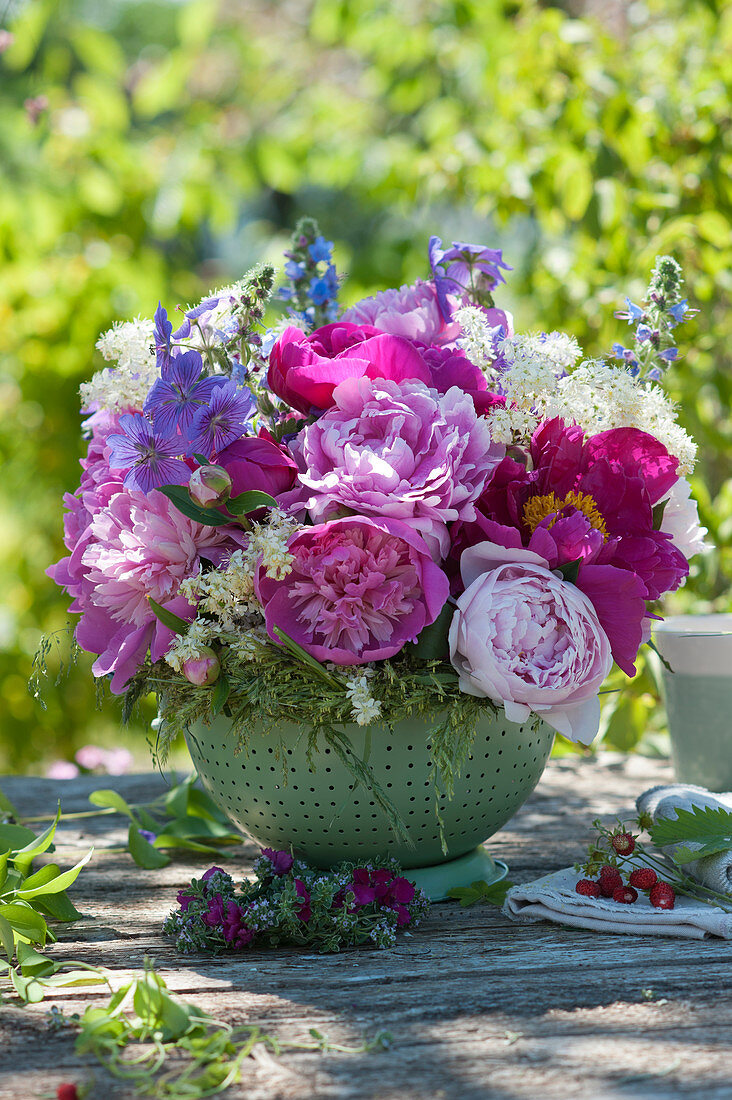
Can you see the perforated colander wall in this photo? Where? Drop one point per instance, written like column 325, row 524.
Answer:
column 321, row 815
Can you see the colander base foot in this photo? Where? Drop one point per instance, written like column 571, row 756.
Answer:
column 475, row 866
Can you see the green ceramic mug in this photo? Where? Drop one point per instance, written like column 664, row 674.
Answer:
column 698, row 696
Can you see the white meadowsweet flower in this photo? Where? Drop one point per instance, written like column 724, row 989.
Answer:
column 188, row 646
column 477, row 338
column 129, row 344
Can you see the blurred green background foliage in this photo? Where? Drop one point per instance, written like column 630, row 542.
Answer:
column 175, row 144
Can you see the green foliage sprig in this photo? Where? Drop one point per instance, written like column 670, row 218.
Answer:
column 27, row 897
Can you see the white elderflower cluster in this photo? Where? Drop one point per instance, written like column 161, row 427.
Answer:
column 270, row 540
column 225, row 594
column 364, row 707
column 561, row 349
column 477, row 338
column 599, row 396
column 188, row 646
column 129, row 344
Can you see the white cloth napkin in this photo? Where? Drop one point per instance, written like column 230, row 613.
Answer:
column 714, row 872
column 554, row 898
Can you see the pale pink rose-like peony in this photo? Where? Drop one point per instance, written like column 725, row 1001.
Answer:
column 136, row 546
column 359, row 589
column 400, row 451
column 525, row 638
column 410, row 311
column 681, row 520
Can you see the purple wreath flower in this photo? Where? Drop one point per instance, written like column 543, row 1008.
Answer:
column 398, row 450
column 149, row 456
column 178, row 395
column 222, row 421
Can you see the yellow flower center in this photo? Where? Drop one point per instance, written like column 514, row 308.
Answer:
column 538, row 508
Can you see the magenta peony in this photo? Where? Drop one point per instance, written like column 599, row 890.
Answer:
column 136, row 546
column 398, row 450
column 258, row 463
column 358, row 590
column 529, row 640
column 411, row 311
column 304, row 370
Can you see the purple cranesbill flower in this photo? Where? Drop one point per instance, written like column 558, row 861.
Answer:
column 281, row 861
column 149, row 456
column 162, row 333
column 669, row 355
column 464, row 267
column 181, row 391
column 631, row 314
column 222, row 421
column 321, row 250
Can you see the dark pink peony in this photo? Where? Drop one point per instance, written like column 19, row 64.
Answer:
column 358, row 591
column 258, row 463
column 304, row 370
column 587, row 501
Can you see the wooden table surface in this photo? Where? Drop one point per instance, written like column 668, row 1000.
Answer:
column 477, row 1006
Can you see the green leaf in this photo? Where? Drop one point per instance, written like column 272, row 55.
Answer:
column 59, row 882
column 109, row 799
column 570, row 571
column 143, row 852
column 58, row 906
column 432, row 645
column 25, row 921
column 32, row 963
column 221, row 694
column 202, row 460
column 7, row 939
column 4, row 857
column 710, row 827
column 658, row 510
column 251, row 501
column 29, row 990
column 480, row 890
column 177, row 798
column 23, row 857
column 168, row 618
column 13, row 837
column 305, row 658
column 7, row 809
column 180, row 498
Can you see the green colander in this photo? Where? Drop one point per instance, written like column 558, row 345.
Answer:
column 325, row 818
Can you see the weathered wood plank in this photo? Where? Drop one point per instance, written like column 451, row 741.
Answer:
column 477, row 1006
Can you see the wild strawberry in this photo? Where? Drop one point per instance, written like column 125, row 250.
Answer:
column 67, row 1092
column 644, row 878
column 626, row 894
column 623, row 843
column 662, row 896
column 588, row 888
column 610, row 879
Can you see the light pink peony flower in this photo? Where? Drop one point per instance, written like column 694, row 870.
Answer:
column 398, row 450
column 411, row 311
column 529, row 640
column 137, row 545
column 359, row 590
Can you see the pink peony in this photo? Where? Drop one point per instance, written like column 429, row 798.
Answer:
column 136, row 546
column 359, row 590
column 410, row 311
column 304, row 370
column 529, row 640
column 400, row 451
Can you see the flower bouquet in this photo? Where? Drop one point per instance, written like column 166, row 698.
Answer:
column 347, row 532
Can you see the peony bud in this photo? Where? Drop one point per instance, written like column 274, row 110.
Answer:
column 209, row 486
column 202, row 670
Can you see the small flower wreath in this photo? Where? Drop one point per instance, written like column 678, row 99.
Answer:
column 291, row 903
